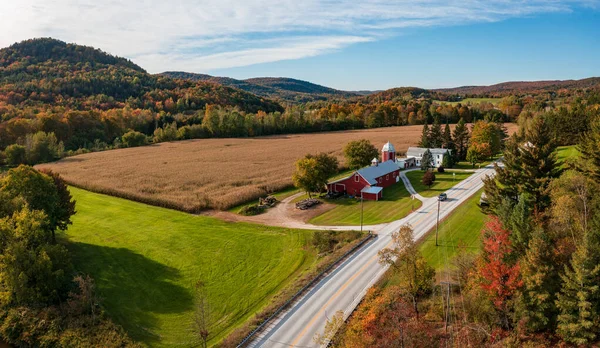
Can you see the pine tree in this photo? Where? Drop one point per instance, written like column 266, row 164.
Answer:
column 578, row 298
column 529, row 167
column 424, row 143
column 461, row 139
column 436, row 137
column 427, row 160
column 590, row 151
column 536, row 307
column 447, row 142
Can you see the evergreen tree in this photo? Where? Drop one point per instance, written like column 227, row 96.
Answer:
column 578, row 298
column 536, row 307
column 590, row 151
column 427, row 160
column 424, row 143
column 529, row 167
column 461, row 139
column 447, row 142
column 436, row 137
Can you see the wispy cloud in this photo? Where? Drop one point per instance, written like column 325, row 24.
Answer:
column 200, row 36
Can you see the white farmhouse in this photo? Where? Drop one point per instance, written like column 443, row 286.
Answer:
column 415, row 154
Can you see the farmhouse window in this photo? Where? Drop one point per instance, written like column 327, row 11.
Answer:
column 356, row 178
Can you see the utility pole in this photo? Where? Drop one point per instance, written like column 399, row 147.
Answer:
column 361, row 212
column 437, row 224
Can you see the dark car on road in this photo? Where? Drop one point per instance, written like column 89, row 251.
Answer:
column 442, row 197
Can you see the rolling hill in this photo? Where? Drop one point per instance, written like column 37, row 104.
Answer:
column 279, row 88
column 49, row 72
column 519, row 87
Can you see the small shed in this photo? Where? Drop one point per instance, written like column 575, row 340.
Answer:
column 372, row 193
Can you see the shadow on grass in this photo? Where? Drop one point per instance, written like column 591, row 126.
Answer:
column 133, row 288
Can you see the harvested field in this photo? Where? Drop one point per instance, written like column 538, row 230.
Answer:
column 193, row 175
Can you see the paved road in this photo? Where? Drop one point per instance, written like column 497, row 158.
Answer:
column 345, row 287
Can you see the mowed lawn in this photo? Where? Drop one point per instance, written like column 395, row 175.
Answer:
column 443, row 181
column 565, row 152
column 461, row 228
column 145, row 261
column 395, row 205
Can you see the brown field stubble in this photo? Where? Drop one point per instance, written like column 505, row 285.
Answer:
column 193, row 175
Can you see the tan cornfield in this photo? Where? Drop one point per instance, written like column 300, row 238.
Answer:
column 213, row 173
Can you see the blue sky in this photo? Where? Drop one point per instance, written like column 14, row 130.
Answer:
column 345, row 44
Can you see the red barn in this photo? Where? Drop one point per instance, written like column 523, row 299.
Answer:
column 368, row 182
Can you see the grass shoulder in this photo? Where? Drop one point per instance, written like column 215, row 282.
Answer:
column 443, row 181
column 462, row 228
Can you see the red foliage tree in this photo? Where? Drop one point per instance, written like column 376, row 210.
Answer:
column 499, row 272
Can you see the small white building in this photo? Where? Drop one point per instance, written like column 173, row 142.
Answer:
column 415, row 154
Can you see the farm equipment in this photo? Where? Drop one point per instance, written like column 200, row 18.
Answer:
column 268, row 201
column 307, row 203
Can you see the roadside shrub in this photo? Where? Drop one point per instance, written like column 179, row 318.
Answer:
column 133, row 139
column 428, row 178
column 441, row 169
column 328, row 241
column 253, row 209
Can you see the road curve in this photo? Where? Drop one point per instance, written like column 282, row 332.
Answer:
column 344, row 287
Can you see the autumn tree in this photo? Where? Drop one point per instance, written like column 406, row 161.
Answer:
column 406, row 259
column 360, row 153
column 313, row 172
column 332, row 326
column 499, row 272
column 461, row 139
column 428, row 178
column 484, row 140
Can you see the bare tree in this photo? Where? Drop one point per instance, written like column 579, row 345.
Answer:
column 202, row 316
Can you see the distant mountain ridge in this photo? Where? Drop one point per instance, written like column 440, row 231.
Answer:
column 281, row 88
column 505, row 88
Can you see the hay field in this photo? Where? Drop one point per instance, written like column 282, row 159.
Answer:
column 193, row 175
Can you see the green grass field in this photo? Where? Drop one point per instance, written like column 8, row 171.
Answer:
column 465, row 101
column 395, row 205
column 443, row 181
column 565, row 152
column 145, row 261
column 462, row 227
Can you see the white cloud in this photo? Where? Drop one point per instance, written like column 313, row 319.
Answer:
column 202, row 35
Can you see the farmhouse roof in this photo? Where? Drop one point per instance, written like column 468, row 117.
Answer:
column 372, row 173
column 419, row 151
column 372, row 189
column 388, row 147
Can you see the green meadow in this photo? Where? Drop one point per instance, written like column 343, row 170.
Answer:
column 146, row 260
